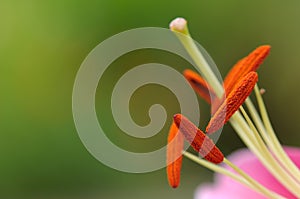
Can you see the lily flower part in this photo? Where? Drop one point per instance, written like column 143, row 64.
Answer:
column 265, row 155
column 198, row 140
column 232, row 103
column 174, row 157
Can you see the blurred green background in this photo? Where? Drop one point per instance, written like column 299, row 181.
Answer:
column 42, row 45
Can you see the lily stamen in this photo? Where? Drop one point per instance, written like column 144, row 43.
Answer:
column 174, row 157
column 198, row 140
column 232, row 103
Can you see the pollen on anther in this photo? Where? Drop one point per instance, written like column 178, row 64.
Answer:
column 174, row 157
column 198, row 140
column 232, row 102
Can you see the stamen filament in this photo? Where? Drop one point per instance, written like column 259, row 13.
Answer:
column 262, row 144
column 214, row 167
column 246, row 134
column 250, row 182
column 260, row 188
column 256, row 134
column 280, row 157
column 278, row 150
column 258, row 122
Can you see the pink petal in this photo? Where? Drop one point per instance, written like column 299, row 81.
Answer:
column 224, row 187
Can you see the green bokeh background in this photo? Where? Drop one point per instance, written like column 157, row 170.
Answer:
column 42, row 45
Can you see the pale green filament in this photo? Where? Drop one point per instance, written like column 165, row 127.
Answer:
column 281, row 157
column 277, row 148
column 267, row 155
column 240, row 177
column 246, row 134
column 256, row 184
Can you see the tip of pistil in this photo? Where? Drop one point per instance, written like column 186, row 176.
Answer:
column 179, row 25
column 262, row 91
